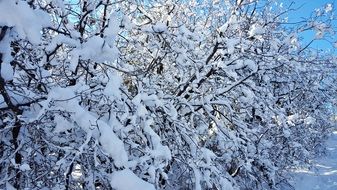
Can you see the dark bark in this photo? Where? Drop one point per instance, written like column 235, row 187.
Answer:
column 16, row 111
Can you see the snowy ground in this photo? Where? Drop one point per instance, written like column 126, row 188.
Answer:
column 324, row 175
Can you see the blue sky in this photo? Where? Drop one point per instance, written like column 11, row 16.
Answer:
column 306, row 8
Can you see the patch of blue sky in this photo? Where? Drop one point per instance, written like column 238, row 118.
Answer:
column 306, row 8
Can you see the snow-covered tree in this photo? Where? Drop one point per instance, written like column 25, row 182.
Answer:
column 108, row 94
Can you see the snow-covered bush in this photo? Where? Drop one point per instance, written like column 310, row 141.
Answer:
column 158, row 94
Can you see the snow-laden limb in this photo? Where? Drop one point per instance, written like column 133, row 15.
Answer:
column 159, row 95
column 7, row 71
column 111, row 144
column 27, row 22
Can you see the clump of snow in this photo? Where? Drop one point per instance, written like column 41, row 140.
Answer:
column 159, row 27
column 96, row 49
column 113, row 27
column 275, row 44
column 9, row 186
column 248, row 95
column 232, row 23
column 256, row 30
column 231, row 43
column 7, row 71
column 309, row 120
column 291, row 119
column 328, row 7
column 61, row 124
column 226, row 185
column 286, row 132
column 112, row 87
column 112, row 144
column 320, row 30
column 251, row 65
column 318, row 12
column 127, row 180
column 293, row 41
column 27, row 22
column 208, row 155
column 159, row 151
column 197, row 176
column 215, row 2
column 24, row 167
column 319, row 34
column 141, row 111
column 61, row 39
